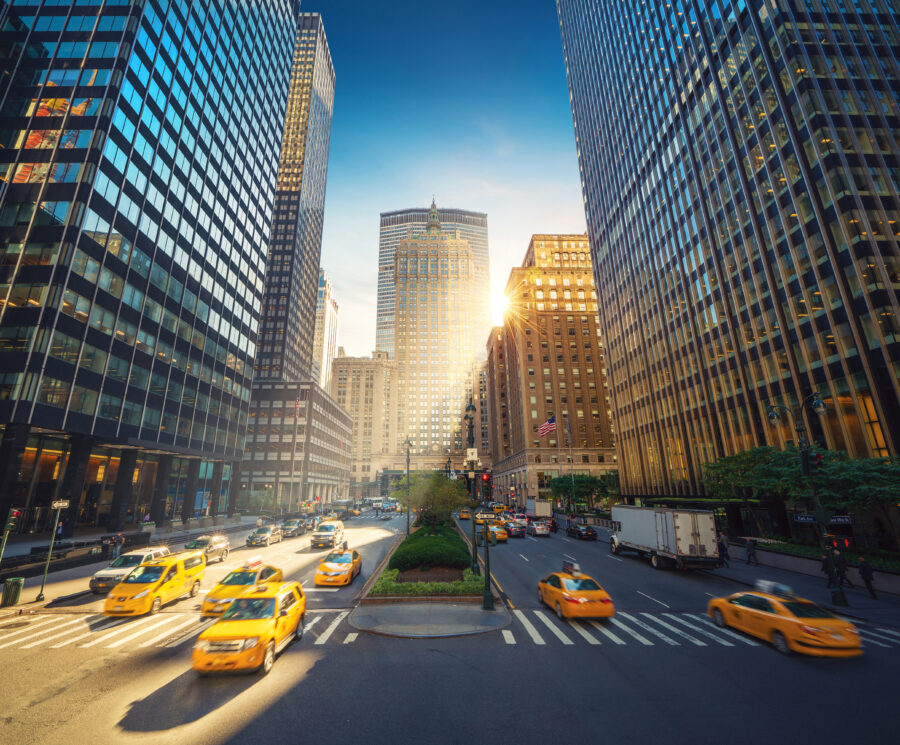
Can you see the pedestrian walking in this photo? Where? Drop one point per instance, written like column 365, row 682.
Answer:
column 866, row 574
column 724, row 539
column 826, row 569
column 118, row 542
column 722, row 546
column 259, row 522
column 59, row 530
column 840, row 565
column 751, row 552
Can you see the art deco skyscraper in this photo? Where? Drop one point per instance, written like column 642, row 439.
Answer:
column 395, row 226
column 139, row 151
column 739, row 161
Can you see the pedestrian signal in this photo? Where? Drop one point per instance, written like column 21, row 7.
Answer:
column 816, row 461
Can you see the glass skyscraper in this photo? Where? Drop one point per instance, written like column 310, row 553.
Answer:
column 741, row 169
column 139, row 147
column 398, row 225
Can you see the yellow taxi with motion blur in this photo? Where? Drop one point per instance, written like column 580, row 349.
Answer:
column 154, row 583
column 497, row 532
column 572, row 594
column 253, row 630
column 498, row 508
column 340, row 567
column 773, row 613
column 464, row 514
column 235, row 584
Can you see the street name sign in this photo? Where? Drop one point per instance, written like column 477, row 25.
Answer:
column 59, row 504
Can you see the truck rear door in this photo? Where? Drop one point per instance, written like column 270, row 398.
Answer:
column 662, row 532
column 687, row 538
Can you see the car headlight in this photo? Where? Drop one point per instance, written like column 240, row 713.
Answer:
column 202, row 646
column 220, row 601
column 141, row 594
column 249, row 643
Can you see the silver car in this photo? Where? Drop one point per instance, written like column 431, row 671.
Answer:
column 104, row 580
column 536, row 528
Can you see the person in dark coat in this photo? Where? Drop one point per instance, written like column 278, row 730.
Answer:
column 866, row 574
column 751, row 552
column 723, row 551
column 826, row 569
column 840, row 565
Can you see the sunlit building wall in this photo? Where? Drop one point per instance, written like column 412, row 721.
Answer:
column 739, row 162
column 326, row 332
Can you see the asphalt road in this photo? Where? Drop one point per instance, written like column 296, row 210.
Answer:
column 577, row 684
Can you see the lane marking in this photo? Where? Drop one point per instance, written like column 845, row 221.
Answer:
column 508, row 636
column 351, row 637
column 524, row 557
column 102, row 638
column 674, row 630
column 552, row 626
column 330, row 630
column 881, row 636
column 614, row 558
column 531, row 630
column 160, row 622
column 698, row 630
column 39, row 633
column 31, row 627
column 591, row 639
column 649, row 629
column 168, row 632
column 192, row 633
column 570, row 557
column 312, row 623
column 653, row 599
column 889, row 631
column 711, row 595
column 603, row 630
column 868, row 640
column 722, row 630
column 62, row 633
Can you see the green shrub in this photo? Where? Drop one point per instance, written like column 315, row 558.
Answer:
column 421, row 549
column 387, row 584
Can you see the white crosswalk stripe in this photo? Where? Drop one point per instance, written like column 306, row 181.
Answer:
column 88, row 620
column 698, row 630
column 508, row 636
column 330, row 629
column 192, row 633
column 553, row 629
column 871, row 640
column 38, row 633
column 879, row 635
column 727, row 632
column 170, row 631
column 529, row 628
column 674, row 630
column 116, row 632
column 122, row 642
column 642, row 639
column 649, row 629
column 606, row 632
column 30, row 627
column 579, row 629
column 890, row 631
column 351, row 637
column 107, row 624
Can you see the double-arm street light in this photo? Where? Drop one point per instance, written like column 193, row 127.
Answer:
column 822, row 515
column 408, row 446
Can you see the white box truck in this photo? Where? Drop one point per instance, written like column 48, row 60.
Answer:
column 539, row 507
column 683, row 538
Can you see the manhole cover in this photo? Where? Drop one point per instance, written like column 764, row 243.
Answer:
column 15, row 624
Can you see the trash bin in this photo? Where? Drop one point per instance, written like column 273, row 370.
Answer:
column 12, row 591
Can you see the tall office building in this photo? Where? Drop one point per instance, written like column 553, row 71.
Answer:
column 739, row 161
column 434, row 276
column 297, row 452
column 547, row 360
column 289, row 310
column 139, row 153
column 325, row 337
column 396, row 226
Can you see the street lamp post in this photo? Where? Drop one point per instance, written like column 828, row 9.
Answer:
column 408, row 446
column 470, row 443
column 822, row 515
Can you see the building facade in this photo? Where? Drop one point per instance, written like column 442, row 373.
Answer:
column 434, row 277
column 399, row 225
column 325, row 338
column 739, row 162
column 366, row 388
column 547, row 360
column 285, row 366
column 137, row 184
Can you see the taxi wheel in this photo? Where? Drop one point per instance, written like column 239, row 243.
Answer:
column 719, row 618
column 298, row 632
column 780, row 643
column 268, row 658
column 224, row 554
column 559, row 613
column 155, row 606
column 540, row 596
column 195, row 588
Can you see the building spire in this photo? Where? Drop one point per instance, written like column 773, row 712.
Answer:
column 434, row 218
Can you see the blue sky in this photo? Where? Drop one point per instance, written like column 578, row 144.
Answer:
column 464, row 100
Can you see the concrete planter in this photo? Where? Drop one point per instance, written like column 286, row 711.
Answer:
column 376, row 599
column 205, row 522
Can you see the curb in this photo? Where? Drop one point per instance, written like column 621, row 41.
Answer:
column 361, row 595
column 400, row 599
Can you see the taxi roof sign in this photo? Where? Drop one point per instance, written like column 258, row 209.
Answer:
column 252, row 563
column 571, row 567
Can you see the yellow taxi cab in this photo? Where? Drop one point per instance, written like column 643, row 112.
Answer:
column 575, row 595
column 253, row 572
column 464, row 514
column 340, row 567
column 773, row 613
column 255, row 627
column 154, row 583
column 498, row 508
column 497, row 532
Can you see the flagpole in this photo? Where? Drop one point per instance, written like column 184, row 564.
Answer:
column 294, row 453
column 571, row 459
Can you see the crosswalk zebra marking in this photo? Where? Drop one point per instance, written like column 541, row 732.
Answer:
column 606, row 632
column 168, row 632
column 529, row 628
column 330, row 629
column 107, row 624
column 675, row 630
column 106, row 637
column 144, row 630
column 29, row 628
column 589, row 638
column 550, row 625
column 869, row 640
column 649, row 629
column 698, row 630
column 351, row 637
column 59, row 633
column 727, row 632
column 508, row 636
column 642, row 639
column 879, row 635
column 41, row 636
column 890, row 631
column 192, row 633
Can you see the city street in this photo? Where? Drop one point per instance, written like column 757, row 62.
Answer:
column 636, row 679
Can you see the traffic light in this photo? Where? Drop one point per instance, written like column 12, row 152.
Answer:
column 839, row 542
column 12, row 519
column 816, row 461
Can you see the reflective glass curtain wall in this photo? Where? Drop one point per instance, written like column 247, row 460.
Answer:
column 741, row 169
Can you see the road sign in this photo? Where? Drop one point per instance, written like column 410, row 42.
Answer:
column 472, row 454
column 59, row 504
column 485, row 516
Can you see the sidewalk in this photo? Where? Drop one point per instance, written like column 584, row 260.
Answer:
column 424, row 620
column 884, row 610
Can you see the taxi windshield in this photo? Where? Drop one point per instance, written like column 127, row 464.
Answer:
column 338, row 558
column 197, row 544
column 145, row 575
column 585, row 583
column 807, row 610
column 250, row 609
column 126, row 561
column 325, row 529
column 239, row 578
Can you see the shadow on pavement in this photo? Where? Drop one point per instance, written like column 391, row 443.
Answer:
column 76, row 600
column 183, row 700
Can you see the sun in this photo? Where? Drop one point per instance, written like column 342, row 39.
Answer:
column 499, row 306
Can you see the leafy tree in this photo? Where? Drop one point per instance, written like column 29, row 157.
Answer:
column 609, row 487
column 432, row 495
column 586, row 487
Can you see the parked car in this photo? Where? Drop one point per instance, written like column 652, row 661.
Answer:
column 581, row 532
column 293, row 528
column 536, row 528
column 104, row 580
column 514, row 530
column 213, row 546
column 264, row 536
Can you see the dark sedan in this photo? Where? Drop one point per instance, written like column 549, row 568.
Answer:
column 581, row 532
column 293, row 528
column 264, row 536
column 214, row 546
column 514, row 530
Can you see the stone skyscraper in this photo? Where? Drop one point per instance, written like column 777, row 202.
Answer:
column 739, row 161
column 325, row 339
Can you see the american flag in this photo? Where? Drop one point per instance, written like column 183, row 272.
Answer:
column 547, row 427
